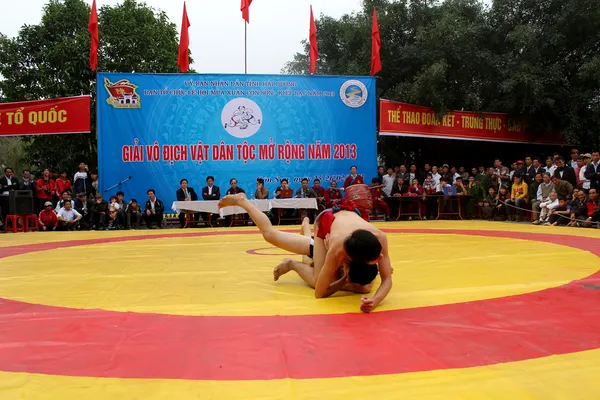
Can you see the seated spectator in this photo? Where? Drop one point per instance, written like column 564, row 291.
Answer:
column 477, row 193
column 113, row 203
column 210, row 193
column 134, row 214
column 578, row 209
column 68, row 218
column 47, row 219
column 461, row 190
column 489, row 204
column 519, row 198
column 562, row 188
column 304, row 192
column 153, row 212
column 320, row 192
column 378, row 195
column 122, row 204
column 399, row 188
column 234, row 188
column 333, row 195
column 429, row 189
column 262, row 193
column 61, row 203
column 546, row 207
column 63, row 184
column 388, row 181
column 464, row 174
column 543, row 194
column 593, row 211
column 98, row 210
column 500, row 211
column 81, row 206
column 115, row 219
column 186, row 193
column 559, row 215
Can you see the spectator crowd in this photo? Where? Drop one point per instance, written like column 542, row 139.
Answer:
column 553, row 192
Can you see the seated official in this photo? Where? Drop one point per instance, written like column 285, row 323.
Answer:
column 210, row 193
column 306, row 193
column 153, row 211
column 333, row 195
column 262, row 193
column 186, row 193
column 284, row 191
column 68, row 218
column 234, row 188
column 321, row 194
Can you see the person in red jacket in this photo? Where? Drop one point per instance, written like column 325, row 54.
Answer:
column 44, row 188
column 354, row 178
column 379, row 204
column 333, row 195
column 416, row 190
column 63, row 184
column 47, row 219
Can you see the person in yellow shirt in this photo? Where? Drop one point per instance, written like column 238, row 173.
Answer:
column 519, row 197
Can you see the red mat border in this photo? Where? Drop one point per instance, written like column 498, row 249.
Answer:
column 62, row 341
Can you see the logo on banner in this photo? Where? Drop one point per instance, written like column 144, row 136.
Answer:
column 122, row 94
column 354, row 93
column 241, row 118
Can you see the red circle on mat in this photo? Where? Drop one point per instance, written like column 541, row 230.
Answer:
column 98, row 343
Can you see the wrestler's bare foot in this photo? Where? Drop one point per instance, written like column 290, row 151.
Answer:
column 232, row 200
column 305, row 228
column 282, row 269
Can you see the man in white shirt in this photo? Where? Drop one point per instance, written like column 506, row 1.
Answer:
column 388, row 181
column 68, row 218
column 435, row 175
column 543, row 194
column 547, row 207
column 574, row 157
column 585, row 182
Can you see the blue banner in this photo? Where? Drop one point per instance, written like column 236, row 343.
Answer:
column 158, row 129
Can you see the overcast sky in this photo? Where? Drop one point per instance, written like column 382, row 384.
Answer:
column 217, row 29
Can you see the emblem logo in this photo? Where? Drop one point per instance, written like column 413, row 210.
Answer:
column 241, row 118
column 122, row 94
column 354, row 93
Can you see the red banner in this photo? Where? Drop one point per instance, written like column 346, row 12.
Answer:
column 402, row 119
column 45, row 117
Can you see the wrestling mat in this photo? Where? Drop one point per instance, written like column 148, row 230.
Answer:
column 478, row 311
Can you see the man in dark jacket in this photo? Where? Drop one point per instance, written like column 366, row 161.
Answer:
column 153, row 211
column 565, row 172
column 98, row 211
column 186, row 193
column 592, row 171
column 210, row 193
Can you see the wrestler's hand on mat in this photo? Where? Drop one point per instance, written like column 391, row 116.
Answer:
column 366, row 304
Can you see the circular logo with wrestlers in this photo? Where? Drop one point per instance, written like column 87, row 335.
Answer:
column 241, row 118
column 354, row 93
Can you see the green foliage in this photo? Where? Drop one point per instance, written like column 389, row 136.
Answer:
column 536, row 60
column 51, row 59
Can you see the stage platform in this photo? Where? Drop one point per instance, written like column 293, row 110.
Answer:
column 478, row 310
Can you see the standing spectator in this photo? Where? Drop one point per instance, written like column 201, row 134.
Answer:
column 488, row 179
column 402, row 173
column 565, row 172
column 585, row 182
column 8, row 183
column 580, row 166
column 68, row 218
column 44, row 189
column 435, row 175
column 533, row 188
column 550, row 167
column 61, row 203
column 542, row 194
column 501, row 172
column 463, row 174
column 536, row 168
column 519, row 197
column 562, row 188
column 262, row 193
column 81, row 180
column 574, row 158
column 592, row 171
column 380, row 173
column 412, row 173
column 426, row 171
column 153, row 212
column 134, row 214
column 388, row 181
column 529, row 172
column 63, row 184
column 98, row 210
column 354, row 178
column 27, row 183
column 93, row 184
column 455, row 175
column 47, row 218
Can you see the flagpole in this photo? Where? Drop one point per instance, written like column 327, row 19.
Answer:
column 245, row 47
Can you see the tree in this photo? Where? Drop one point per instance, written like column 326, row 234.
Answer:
column 51, row 59
column 535, row 60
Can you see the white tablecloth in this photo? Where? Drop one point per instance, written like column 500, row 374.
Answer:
column 212, row 206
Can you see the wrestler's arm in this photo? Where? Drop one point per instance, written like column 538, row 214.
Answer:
column 326, row 283
column 385, row 272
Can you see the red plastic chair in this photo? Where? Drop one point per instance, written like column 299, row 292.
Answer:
column 31, row 222
column 14, row 219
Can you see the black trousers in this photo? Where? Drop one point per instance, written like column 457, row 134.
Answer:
column 153, row 219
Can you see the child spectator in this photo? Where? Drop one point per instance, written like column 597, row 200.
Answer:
column 489, row 204
column 500, row 210
column 560, row 214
